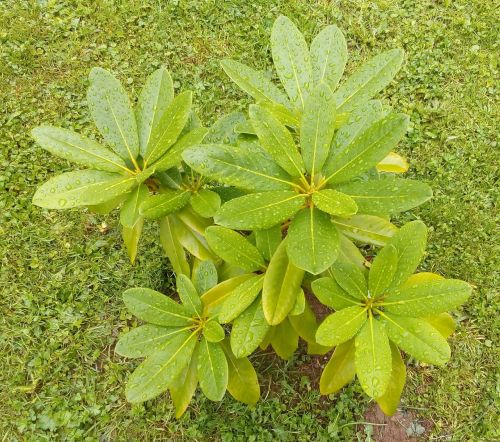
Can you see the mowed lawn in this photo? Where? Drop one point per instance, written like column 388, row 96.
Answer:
column 62, row 273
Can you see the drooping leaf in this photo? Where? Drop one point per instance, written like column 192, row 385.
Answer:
column 317, row 128
column 188, row 295
column 305, row 324
column 212, row 370
column 173, row 157
column 205, row 202
column 129, row 213
column 131, row 237
column 328, row 56
column 108, row 206
column 350, row 278
column 112, row 112
column 157, row 373
column 254, row 83
column 81, row 188
column 299, row 306
column 285, row 340
column 389, row 401
column 313, row 243
column 282, row 284
column 349, row 252
column 340, row 369
column 204, row 275
column 245, row 167
column 145, row 340
column 366, row 228
column 368, row 79
column 249, row 330
column 157, row 206
column 156, row 95
column 387, row 196
column 410, row 242
column 367, row 149
column 291, row 59
column 428, row 298
column 223, row 130
column 334, row 203
column 276, row 139
column 283, row 114
column 341, row 326
column 154, row 307
column 182, row 390
column 418, row 338
column 443, row 323
column 240, row 298
column 373, row 358
column 169, row 127
column 242, row 383
column 268, row 240
column 191, row 240
column 382, row 270
column 259, row 210
column 393, row 163
column 77, row 148
column 234, row 248
column 331, row 294
column 213, row 331
column 172, row 247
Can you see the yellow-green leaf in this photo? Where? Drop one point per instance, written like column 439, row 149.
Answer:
column 212, row 370
column 341, row 326
column 335, row 203
column 389, row 401
column 340, row 369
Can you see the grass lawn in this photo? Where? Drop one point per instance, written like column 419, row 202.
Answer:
column 62, row 273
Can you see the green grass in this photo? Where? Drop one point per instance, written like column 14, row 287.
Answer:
column 62, row 272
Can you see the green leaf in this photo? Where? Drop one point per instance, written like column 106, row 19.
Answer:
column 242, row 383
column 299, row 306
column 341, row 326
column 389, row 401
column 234, row 248
column 368, row 79
column 285, row 340
column 157, row 206
column 145, row 340
column 245, row 167
column 366, row 229
column 169, row 127
column 157, row 373
column 283, row 114
column 410, row 242
column 350, row 277
column 188, row 295
column 241, row 298
column 205, row 202
column 317, row 127
column 367, row 149
column 328, row 56
column 154, row 307
column 249, row 330
column 349, row 252
column 204, row 275
column 223, row 130
column 182, row 392
column 81, row 188
column 173, row 157
column 156, row 95
column 417, row 338
column 172, row 247
column 305, row 324
column 108, row 206
column 212, row 370
column 373, row 358
column 254, row 83
column 291, row 59
column 276, row 139
column 112, row 112
column 282, row 284
column 340, row 369
column 331, row 294
column 386, row 196
column 382, row 270
column 427, row 298
column 334, row 203
column 131, row 237
column 129, row 213
column 259, row 210
column 77, row 148
column 213, row 331
column 443, row 323
column 313, row 242
column 191, row 240
column 268, row 240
